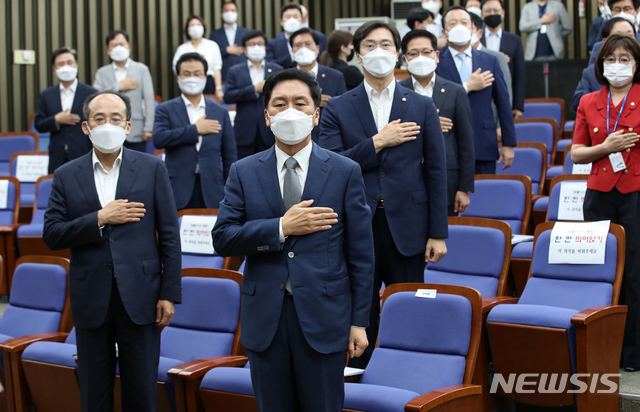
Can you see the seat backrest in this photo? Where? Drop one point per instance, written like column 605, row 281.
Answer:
column 538, row 131
column 14, row 142
column 207, row 322
column 9, row 214
column 554, row 195
column 43, row 189
column 433, row 347
column 530, row 160
column 43, row 138
column 38, row 296
column 471, row 241
column 567, row 167
column 550, row 108
column 502, row 197
column 576, row 287
column 27, row 187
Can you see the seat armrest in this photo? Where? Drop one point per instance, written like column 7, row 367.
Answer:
column 198, row 368
column 9, row 228
column 438, row 397
column 589, row 315
column 493, row 301
column 534, row 198
column 20, row 343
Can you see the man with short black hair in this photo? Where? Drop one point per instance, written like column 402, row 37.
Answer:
column 244, row 88
column 624, row 9
column 419, row 19
column 59, row 110
column 229, row 38
column 278, row 48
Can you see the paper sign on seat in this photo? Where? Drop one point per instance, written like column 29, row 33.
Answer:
column 571, row 200
column 195, row 234
column 578, row 243
column 29, row 168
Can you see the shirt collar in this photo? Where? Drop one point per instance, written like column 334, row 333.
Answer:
column 188, row 103
column 455, row 52
column 97, row 163
column 126, row 65
column 302, row 157
column 314, row 70
column 235, row 26
column 391, row 88
column 498, row 33
column 71, row 88
column 417, row 84
column 251, row 66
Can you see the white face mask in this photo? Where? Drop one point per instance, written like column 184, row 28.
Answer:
column 605, row 10
column 229, row 17
column 432, row 6
column 618, row 74
column 433, row 29
column 304, row 56
column 291, row 126
column 256, row 53
column 421, row 66
column 119, row 54
column 292, row 25
column 379, row 63
column 475, row 10
column 192, row 85
column 627, row 16
column 474, row 39
column 67, row 73
column 107, row 138
column 196, row 32
column 459, row 35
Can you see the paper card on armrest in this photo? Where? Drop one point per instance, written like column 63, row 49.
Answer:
column 4, row 193
column 29, row 168
column 581, row 169
column 426, row 293
column 515, row 239
column 571, row 200
column 195, row 234
column 348, row 371
column 578, row 243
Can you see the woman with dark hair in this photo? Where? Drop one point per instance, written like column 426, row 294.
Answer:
column 196, row 42
column 606, row 135
column 339, row 52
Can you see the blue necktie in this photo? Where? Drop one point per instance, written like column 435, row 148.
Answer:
column 464, row 69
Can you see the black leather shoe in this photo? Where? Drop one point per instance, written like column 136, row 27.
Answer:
column 630, row 369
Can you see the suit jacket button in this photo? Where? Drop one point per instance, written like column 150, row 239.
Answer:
column 111, row 240
column 281, row 286
column 381, row 174
column 109, row 265
column 631, row 129
column 595, row 130
column 291, row 254
column 626, row 172
column 604, row 169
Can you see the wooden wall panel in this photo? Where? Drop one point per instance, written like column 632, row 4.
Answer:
column 156, row 30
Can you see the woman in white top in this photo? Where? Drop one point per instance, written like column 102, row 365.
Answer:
column 209, row 49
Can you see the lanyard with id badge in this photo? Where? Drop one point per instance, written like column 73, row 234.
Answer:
column 617, row 162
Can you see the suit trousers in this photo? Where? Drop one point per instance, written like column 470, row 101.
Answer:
column 485, row 167
column 391, row 267
column 290, row 376
column 197, row 198
column 623, row 209
column 138, row 358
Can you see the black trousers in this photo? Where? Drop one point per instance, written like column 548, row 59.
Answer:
column 391, row 267
column 623, row 209
column 290, row 376
column 485, row 167
column 138, row 358
column 197, row 198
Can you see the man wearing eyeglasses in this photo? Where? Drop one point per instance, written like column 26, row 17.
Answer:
column 198, row 139
column 625, row 9
column 114, row 208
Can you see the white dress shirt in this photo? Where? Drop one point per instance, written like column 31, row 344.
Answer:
column 314, row 70
column 207, row 48
column 468, row 61
column 381, row 103
column 493, row 40
column 121, row 72
column 437, row 20
column 257, row 75
column 230, row 33
column 195, row 113
column 67, row 95
column 302, row 157
column 106, row 181
column 425, row 91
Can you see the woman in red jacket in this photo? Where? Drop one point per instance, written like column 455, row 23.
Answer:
column 605, row 134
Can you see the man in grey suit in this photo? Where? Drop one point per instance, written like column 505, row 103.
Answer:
column 133, row 80
column 546, row 23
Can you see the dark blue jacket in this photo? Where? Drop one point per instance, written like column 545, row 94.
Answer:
column 229, row 60
column 511, row 45
column 331, row 83
column 587, row 84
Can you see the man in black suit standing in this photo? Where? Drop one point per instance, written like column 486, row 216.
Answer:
column 60, row 110
column 114, row 208
column 421, row 57
column 229, row 38
column 497, row 39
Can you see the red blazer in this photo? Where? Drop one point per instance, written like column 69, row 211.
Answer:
column 591, row 130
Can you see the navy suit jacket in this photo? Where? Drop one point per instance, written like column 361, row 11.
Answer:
column 331, row 83
column 72, row 136
column 484, row 126
column 249, row 105
column 278, row 51
column 452, row 102
column 594, row 31
column 411, row 177
column 173, row 132
column 331, row 271
column 511, row 45
column 229, row 60
column 146, row 268
column 587, row 84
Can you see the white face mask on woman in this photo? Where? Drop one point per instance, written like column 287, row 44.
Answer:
column 291, row 126
column 618, row 74
column 196, row 32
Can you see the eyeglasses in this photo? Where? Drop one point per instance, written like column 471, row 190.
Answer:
column 370, row 45
column 624, row 59
column 424, row 52
column 251, row 44
column 308, row 44
column 626, row 9
column 101, row 120
column 197, row 73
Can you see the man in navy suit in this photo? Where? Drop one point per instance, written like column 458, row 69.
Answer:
column 616, row 25
column 244, row 88
column 457, row 30
column 321, row 37
column 421, row 57
column 229, row 38
column 299, row 214
column 198, row 139
column 395, row 136
column 305, row 47
column 497, row 39
column 588, row 83
column 60, row 111
column 279, row 48
column 114, row 208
